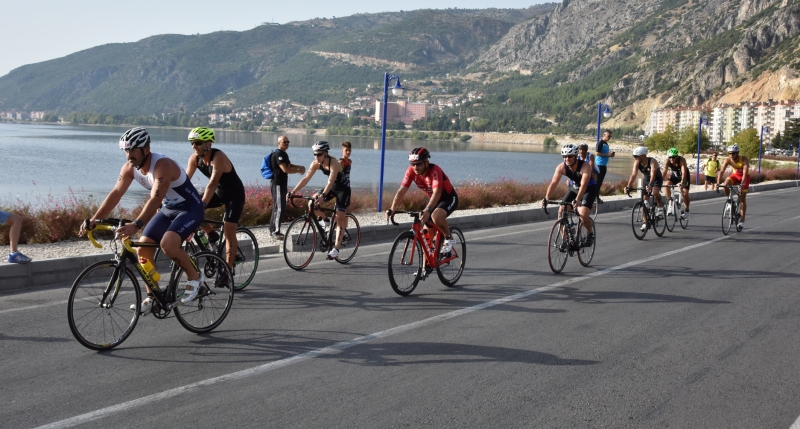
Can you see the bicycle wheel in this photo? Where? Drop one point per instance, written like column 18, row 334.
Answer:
column 405, row 263
column 300, row 243
column 350, row 240
column 451, row 265
column 737, row 212
column 99, row 305
column 557, row 247
column 637, row 220
column 593, row 213
column 164, row 264
column 682, row 209
column 586, row 253
column 212, row 304
column 727, row 218
column 671, row 219
column 659, row 223
column 246, row 260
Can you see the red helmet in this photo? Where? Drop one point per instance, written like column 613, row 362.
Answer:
column 418, row 154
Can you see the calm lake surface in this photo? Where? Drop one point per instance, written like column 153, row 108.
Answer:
column 38, row 162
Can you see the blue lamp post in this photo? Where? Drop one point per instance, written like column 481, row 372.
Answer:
column 397, row 90
column 605, row 112
column 797, row 173
column 760, row 146
column 703, row 121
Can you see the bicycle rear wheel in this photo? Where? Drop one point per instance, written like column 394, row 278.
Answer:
column 451, row 265
column 593, row 213
column 213, row 303
column 300, row 243
column 405, row 263
column 727, row 218
column 246, row 259
column 736, row 211
column 671, row 219
column 350, row 240
column 99, row 305
column 164, row 264
column 586, row 253
column 557, row 247
column 682, row 209
column 659, row 222
column 637, row 220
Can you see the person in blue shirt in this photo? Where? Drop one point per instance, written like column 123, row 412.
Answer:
column 603, row 152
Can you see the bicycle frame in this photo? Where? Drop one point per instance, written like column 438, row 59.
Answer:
column 566, row 217
column 327, row 238
column 430, row 247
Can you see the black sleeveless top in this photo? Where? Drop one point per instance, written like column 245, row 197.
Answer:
column 228, row 182
column 676, row 170
column 575, row 176
column 646, row 169
column 342, row 179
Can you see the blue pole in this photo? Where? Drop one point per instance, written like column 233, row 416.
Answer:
column 383, row 139
column 760, row 144
column 697, row 162
column 599, row 110
column 797, row 174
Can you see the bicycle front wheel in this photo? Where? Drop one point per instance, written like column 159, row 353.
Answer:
column 246, row 259
column 350, row 240
column 215, row 298
column 637, row 220
column 405, row 263
column 300, row 243
column 557, row 248
column 593, row 213
column 659, row 221
column 586, row 253
column 671, row 219
column 727, row 218
column 103, row 305
column 451, row 264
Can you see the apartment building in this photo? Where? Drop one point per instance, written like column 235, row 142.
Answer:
column 401, row 111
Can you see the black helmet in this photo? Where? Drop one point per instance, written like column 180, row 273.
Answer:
column 418, row 154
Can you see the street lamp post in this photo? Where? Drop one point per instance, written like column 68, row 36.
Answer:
column 797, row 173
column 606, row 113
column 697, row 163
column 760, row 146
column 397, row 90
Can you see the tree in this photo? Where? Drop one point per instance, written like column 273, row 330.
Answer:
column 687, row 141
column 777, row 141
column 662, row 141
column 748, row 142
column 792, row 133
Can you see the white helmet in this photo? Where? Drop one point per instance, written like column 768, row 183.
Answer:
column 734, row 148
column 133, row 138
column 569, row 149
column 321, row 146
column 639, row 151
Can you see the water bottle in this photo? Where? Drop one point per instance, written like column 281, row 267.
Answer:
column 202, row 236
column 572, row 227
column 151, row 271
column 427, row 236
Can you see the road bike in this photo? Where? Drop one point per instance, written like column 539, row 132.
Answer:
column 568, row 238
column 416, row 252
column 730, row 212
column 653, row 220
column 245, row 261
column 300, row 240
column 104, row 303
column 676, row 206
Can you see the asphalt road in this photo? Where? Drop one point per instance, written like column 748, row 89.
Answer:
column 688, row 330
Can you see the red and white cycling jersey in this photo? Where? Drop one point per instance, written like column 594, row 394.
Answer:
column 434, row 179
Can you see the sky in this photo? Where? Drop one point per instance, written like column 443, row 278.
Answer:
column 41, row 30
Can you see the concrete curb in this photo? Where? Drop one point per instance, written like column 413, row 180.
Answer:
column 64, row 270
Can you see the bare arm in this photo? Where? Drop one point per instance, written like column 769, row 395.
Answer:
column 633, row 175
column 291, row 168
column 398, row 197
column 113, row 197
column 586, row 177
column 336, row 168
column 221, row 165
column 553, row 183
column 311, row 170
column 191, row 166
column 722, row 170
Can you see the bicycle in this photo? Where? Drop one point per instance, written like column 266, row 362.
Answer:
column 407, row 256
column 246, row 259
column 678, row 209
column 658, row 224
column 565, row 240
column 300, row 240
column 730, row 212
column 104, row 302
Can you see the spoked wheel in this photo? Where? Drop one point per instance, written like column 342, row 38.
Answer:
column 214, row 299
column 164, row 264
column 586, row 253
column 405, row 263
column 350, row 240
column 659, row 222
column 103, row 305
column 727, row 218
column 637, row 220
column 682, row 209
column 300, row 243
column 671, row 219
column 557, row 248
column 737, row 204
column 593, row 213
column 246, row 259
column 451, row 265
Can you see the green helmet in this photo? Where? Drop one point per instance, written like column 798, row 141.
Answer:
column 202, row 133
column 672, row 153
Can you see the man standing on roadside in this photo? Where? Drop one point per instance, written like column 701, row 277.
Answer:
column 602, row 153
column 15, row 222
column 711, row 168
column 281, row 169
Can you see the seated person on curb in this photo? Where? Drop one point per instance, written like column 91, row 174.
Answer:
column 14, row 221
column 180, row 216
column 224, row 187
column 652, row 179
column 740, row 176
column 582, row 189
column 430, row 178
column 338, row 186
column 677, row 172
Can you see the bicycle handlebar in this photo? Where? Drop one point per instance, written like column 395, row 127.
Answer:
column 545, row 202
column 109, row 224
column 415, row 215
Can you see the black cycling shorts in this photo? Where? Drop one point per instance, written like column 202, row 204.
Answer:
column 588, row 197
column 657, row 183
column 448, row 203
column 675, row 179
column 342, row 196
column 234, row 205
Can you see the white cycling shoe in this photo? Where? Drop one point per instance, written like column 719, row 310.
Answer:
column 447, row 246
column 193, row 287
column 146, row 306
column 333, row 254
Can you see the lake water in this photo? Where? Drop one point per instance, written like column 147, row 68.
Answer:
column 42, row 161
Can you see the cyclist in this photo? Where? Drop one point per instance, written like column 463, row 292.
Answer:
column 338, row 186
column 582, row 188
column 224, row 187
column 677, row 172
column 430, row 178
column 181, row 214
column 652, row 177
column 585, row 155
column 740, row 176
